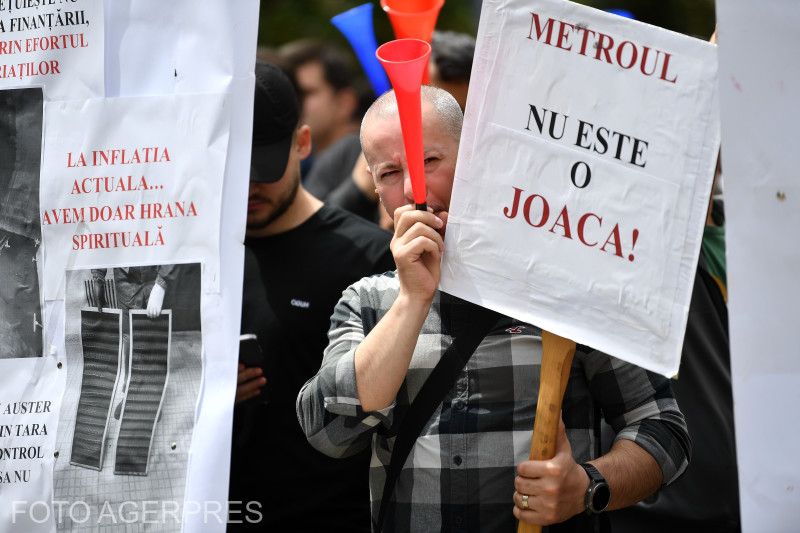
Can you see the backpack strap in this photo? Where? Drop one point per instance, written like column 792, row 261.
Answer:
column 480, row 322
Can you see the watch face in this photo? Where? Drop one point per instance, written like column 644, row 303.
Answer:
column 601, row 496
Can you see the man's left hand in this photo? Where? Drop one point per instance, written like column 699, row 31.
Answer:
column 555, row 487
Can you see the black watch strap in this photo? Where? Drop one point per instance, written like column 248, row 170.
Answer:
column 598, row 495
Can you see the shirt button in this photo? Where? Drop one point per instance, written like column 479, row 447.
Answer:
column 458, row 520
column 457, row 460
column 459, row 404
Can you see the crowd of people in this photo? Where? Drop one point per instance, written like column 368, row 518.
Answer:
column 341, row 290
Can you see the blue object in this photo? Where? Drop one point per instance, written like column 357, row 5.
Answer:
column 622, row 13
column 356, row 25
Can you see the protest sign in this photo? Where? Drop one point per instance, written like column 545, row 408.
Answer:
column 133, row 180
column 55, row 43
column 583, row 177
column 29, row 400
column 133, row 348
column 759, row 79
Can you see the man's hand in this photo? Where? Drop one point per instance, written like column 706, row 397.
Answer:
column 417, row 248
column 99, row 289
column 555, row 487
column 155, row 301
column 249, row 383
column 382, row 358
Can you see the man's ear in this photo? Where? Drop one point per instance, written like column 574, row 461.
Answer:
column 372, row 177
column 303, row 143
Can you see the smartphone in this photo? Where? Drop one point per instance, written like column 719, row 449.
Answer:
column 250, row 355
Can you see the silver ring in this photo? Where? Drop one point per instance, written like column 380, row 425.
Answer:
column 525, row 501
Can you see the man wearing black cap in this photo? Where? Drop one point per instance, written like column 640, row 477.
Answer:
column 305, row 254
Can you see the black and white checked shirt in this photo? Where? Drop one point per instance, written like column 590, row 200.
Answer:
column 460, row 474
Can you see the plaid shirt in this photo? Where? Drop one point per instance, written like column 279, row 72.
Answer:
column 460, row 473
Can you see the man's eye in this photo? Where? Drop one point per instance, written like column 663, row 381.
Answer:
column 388, row 174
column 430, row 160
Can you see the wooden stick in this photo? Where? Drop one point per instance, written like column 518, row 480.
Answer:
column 557, row 354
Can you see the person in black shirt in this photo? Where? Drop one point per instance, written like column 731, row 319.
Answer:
column 301, row 255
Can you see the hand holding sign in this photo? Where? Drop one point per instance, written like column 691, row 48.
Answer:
column 582, row 182
column 155, row 301
column 557, row 354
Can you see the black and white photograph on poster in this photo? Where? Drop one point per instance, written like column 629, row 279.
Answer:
column 134, row 360
column 20, row 227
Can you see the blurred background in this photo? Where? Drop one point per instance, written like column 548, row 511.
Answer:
column 282, row 21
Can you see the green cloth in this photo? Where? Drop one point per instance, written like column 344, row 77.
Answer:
column 714, row 250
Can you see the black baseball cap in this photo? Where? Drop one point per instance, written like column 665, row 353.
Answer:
column 276, row 114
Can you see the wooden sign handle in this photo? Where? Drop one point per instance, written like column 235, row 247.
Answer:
column 557, row 354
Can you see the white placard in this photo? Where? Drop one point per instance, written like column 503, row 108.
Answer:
column 193, row 69
column 29, row 398
column 133, row 181
column 57, row 44
column 583, row 177
column 759, row 86
column 190, row 72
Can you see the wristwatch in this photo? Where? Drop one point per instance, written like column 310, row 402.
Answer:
column 598, row 495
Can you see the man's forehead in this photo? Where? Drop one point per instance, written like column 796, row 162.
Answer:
column 379, row 144
column 387, row 128
column 379, row 123
column 382, row 116
column 377, row 130
column 388, row 113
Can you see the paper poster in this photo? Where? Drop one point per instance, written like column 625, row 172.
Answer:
column 53, row 43
column 29, row 400
column 584, row 173
column 759, row 79
column 133, row 180
column 156, row 47
column 123, row 187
